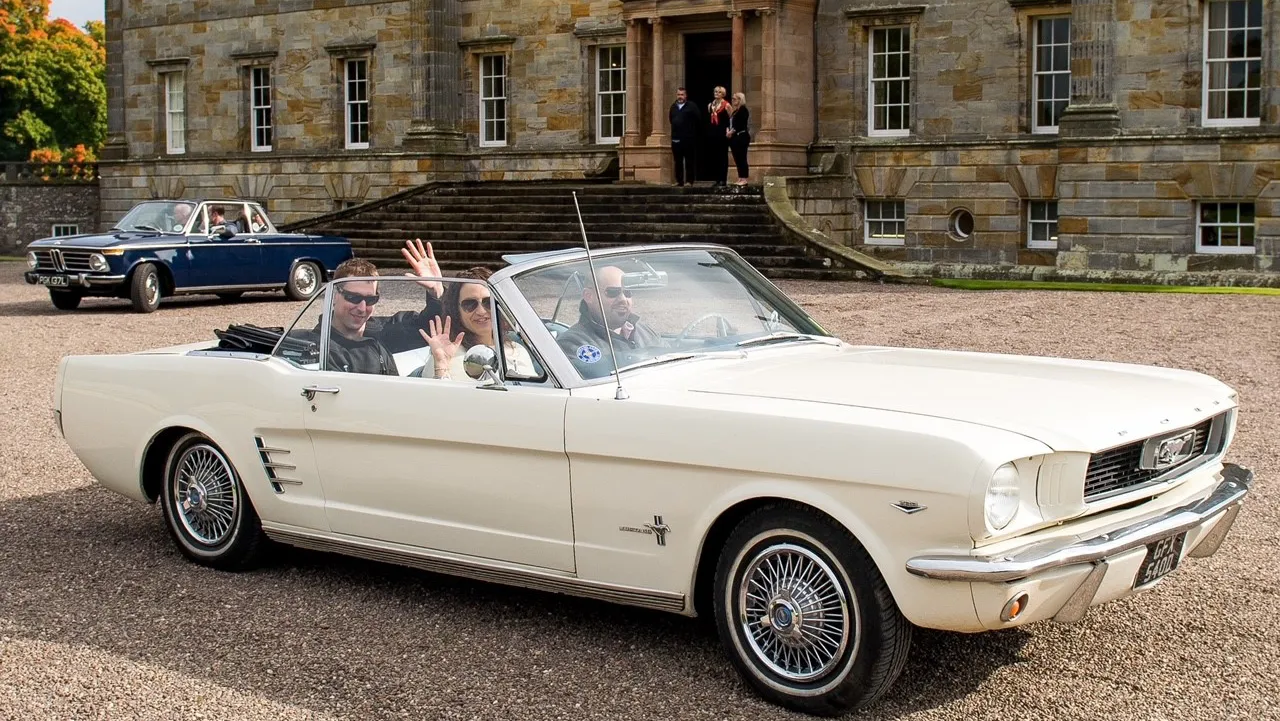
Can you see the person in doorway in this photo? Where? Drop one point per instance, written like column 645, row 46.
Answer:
column 718, row 117
column 685, row 121
column 740, row 135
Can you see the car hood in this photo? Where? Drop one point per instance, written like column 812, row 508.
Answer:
column 1070, row 405
column 108, row 240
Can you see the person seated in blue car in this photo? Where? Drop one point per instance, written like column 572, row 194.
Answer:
column 586, row 344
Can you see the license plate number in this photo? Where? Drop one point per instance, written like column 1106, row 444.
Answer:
column 1163, row 556
column 58, row 280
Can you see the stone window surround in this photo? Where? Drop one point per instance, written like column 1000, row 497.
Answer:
column 862, row 21
column 339, row 54
column 498, row 120
column 1026, row 12
column 1247, row 122
column 592, row 39
column 1219, row 249
column 898, row 217
column 164, row 67
column 475, row 49
column 247, row 60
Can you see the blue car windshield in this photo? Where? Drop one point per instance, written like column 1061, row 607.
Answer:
column 158, row 216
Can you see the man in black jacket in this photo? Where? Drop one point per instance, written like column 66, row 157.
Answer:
column 686, row 123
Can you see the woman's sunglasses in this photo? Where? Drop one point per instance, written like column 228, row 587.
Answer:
column 355, row 298
column 470, row 304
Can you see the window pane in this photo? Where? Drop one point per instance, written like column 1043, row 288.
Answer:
column 1235, row 13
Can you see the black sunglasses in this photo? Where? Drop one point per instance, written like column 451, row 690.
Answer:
column 355, row 298
column 470, row 304
column 616, row 290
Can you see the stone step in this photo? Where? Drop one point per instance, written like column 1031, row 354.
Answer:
column 508, row 239
column 469, row 253
column 535, row 189
column 390, row 230
column 507, row 217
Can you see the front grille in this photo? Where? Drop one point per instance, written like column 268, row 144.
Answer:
column 1117, row 470
column 74, row 261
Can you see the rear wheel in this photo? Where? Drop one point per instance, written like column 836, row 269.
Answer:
column 65, row 299
column 144, row 289
column 208, row 513
column 804, row 613
column 304, row 281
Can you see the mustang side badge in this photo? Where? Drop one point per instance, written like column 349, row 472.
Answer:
column 657, row 529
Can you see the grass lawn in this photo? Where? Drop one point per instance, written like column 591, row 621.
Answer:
column 965, row 284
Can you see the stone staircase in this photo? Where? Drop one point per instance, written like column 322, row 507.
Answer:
column 474, row 224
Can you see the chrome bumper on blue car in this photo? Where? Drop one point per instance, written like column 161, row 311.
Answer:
column 1055, row 553
column 75, row 280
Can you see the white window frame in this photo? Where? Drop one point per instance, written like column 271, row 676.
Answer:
column 489, row 98
column 1201, row 226
column 62, row 230
column 615, row 91
column 1208, row 63
column 1051, row 225
column 1037, row 72
column 175, row 112
column 898, row 218
column 260, row 120
column 904, row 77
column 349, row 104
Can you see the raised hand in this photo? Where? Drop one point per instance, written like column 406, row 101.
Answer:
column 423, row 262
column 442, row 349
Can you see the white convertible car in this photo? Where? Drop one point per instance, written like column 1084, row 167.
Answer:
column 719, row 454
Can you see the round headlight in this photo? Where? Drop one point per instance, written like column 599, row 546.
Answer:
column 98, row 262
column 1003, row 497
column 31, row 259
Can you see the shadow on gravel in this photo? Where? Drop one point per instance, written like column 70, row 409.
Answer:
column 113, row 306
column 332, row 634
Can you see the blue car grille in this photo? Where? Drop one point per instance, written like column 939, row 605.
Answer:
column 1117, row 470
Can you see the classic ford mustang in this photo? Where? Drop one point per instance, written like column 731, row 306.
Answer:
column 716, row 452
column 167, row 247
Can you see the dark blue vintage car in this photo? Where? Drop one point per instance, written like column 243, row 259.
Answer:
column 170, row 247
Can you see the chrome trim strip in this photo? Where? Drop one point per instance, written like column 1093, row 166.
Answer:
column 1058, row 552
column 212, row 288
column 480, row 570
column 273, row 465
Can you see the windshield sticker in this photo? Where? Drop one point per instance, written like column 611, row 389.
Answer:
column 588, row 354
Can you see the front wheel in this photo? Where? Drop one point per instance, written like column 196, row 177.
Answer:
column 65, row 299
column 805, row 615
column 144, row 288
column 304, row 281
column 206, row 508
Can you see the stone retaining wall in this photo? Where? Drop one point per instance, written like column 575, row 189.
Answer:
column 31, row 206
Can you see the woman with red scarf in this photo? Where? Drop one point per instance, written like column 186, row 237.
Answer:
column 719, row 116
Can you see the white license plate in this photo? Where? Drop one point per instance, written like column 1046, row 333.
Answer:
column 60, row 281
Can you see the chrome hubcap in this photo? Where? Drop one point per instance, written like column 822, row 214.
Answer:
column 304, row 278
column 153, row 289
column 794, row 614
column 205, row 494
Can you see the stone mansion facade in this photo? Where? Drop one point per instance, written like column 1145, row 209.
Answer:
column 1082, row 135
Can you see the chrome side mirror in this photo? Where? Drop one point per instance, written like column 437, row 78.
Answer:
column 481, row 363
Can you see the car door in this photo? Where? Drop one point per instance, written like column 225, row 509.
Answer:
column 277, row 250
column 445, row 465
column 219, row 263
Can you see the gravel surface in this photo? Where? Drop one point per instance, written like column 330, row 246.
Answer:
column 100, row 617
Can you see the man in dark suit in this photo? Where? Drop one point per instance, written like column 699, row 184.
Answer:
column 686, row 123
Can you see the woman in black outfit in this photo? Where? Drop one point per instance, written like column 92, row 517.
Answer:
column 718, row 116
column 739, row 136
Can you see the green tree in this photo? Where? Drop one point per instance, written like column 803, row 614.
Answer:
column 53, row 91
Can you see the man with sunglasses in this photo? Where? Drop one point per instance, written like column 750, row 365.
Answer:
column 586, row 344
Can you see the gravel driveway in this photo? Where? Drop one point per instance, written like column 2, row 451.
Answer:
column 100, row 617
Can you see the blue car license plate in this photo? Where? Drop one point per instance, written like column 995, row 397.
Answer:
column 1163, row 556
column 59, row 281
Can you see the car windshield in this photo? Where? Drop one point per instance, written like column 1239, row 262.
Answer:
column 662, row 306
column 158, row 216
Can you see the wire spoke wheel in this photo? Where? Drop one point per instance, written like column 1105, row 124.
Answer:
column 794, row 613
column 205, row 495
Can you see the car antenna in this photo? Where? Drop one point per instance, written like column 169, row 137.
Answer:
column 621, row 394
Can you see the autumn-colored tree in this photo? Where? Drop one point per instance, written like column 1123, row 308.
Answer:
column 53, row 91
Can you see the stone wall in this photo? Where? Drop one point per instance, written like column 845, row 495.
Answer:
column 29, row 208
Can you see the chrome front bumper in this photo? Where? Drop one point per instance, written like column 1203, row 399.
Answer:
column 1056, row 553
column 77, row 279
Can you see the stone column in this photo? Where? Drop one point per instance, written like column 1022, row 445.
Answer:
column 658, row 134
column 116, row 145
column 769, row 75
column 1092, row 110
column 434, row 75
column 738, row 31
column 631, row 132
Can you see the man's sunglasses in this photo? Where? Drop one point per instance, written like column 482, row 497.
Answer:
column 355, row 298
column 617, row 290
column 470, row 304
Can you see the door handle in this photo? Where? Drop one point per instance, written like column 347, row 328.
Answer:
column 252, row 240
column 309, row 392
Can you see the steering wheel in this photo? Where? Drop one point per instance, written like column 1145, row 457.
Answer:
column 723, row 327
